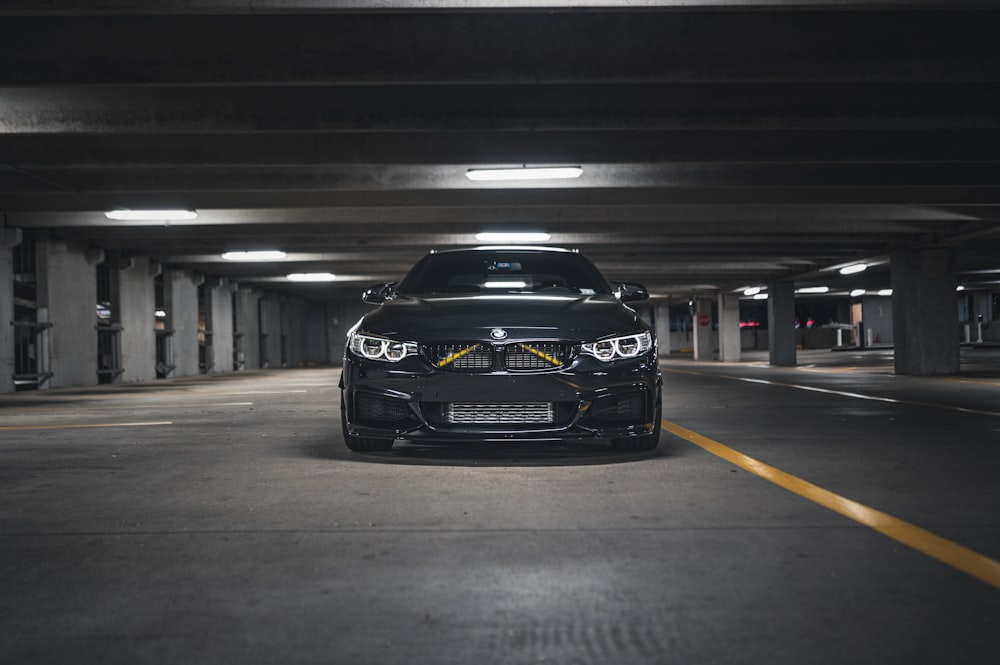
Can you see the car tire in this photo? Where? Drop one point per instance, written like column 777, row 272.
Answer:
column 646, row 442
column 364, row 444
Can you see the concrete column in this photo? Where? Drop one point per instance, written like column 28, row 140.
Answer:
column 184, row 318
column 661, row 316
column 781, row 323
column 295, row 329
column 138, row 316
column 222, row 326
column 924, row 302
column 270, row 331
column 67, row 298
column 9, row 239
column 729, row 328
column 249, row 327
column 703, row 347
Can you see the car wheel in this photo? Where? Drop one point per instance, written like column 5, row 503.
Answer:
column 646, row 442
column 365, row 444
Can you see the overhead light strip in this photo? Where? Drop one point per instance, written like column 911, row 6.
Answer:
column 151, row 215
column 526, row 173
column 254, row 255
column 512, row 236
column 311, row 277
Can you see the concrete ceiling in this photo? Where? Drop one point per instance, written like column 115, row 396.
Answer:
column 723, row 144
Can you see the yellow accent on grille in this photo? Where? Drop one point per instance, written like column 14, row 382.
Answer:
column 541, row 354
column 455, row 356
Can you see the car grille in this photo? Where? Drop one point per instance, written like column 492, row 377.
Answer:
column 484, row 413
column 463, row 356
column 512, row 357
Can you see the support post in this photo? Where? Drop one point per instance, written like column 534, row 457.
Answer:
column 924, row 306
column 781, row 323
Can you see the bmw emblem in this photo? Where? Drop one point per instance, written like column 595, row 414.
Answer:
column 498, row 333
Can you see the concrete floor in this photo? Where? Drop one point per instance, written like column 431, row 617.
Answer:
column 222, row 520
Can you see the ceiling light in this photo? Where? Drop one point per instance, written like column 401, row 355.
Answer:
column 760, row 296
column 960, row 287
column 513, row 236
column 505, row 285
column 526, row 173
column 310, row 277
column 885, row 292
column 813, row 289
column 254, row 255
column 854, row 268
column 147, row 215
column 751, row 290
column 857, row 292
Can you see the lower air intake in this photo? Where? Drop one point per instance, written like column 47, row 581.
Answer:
column 495, row 413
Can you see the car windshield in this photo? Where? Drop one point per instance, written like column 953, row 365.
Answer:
column 501, row 272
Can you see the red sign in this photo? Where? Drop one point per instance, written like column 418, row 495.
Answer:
column 704, row 319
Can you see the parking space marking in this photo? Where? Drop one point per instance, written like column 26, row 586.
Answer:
column 841, row 393
column 947, row 552
column 14, row 428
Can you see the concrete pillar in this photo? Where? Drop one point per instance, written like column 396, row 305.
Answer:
column 729, row 328
column 67, row 298
column 138, row 316
column 703, row 347
column 270, row 331
column 661, row 317
column 184, row 319
column 222, row 326
column 9, row 239
column 924, row 301
column 294, row 329
column 247, row 319
column 781, row 323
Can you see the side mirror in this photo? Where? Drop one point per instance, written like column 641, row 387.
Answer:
column 379, row 293
column 630, row 292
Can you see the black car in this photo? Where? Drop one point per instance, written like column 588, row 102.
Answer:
column 501, row 343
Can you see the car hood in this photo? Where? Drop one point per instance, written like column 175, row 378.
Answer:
column 522, row 317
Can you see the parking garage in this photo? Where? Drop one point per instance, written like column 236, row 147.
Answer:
column 195, row 196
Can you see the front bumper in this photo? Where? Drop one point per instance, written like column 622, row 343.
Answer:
column 586, row 399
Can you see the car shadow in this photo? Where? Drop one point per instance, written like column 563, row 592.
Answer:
column 490, row 454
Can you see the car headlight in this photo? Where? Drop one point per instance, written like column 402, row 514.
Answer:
column 380, row 348
column 616, row 348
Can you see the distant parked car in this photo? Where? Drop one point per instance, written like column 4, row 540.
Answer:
column 502, row 343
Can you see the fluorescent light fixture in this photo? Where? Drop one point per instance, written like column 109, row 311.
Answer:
column 161, row 314
column 512, row 236
column 885, row 292
column 310, row 277
column 505, row 285
column 960, row 287
column 526, row 173
column 813, row 289
column 751, row 290
column 853, row 269
column 760, row 296
column 254, row 255
column 857, row 292
column 148, row 215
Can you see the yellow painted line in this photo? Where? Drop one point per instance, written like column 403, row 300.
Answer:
column 84, row 426
column 947, row 552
